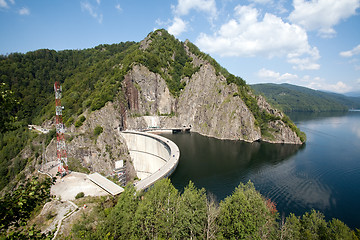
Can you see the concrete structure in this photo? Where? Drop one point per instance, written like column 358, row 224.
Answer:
column 105, row 184
column 154, row 157
column 120, row 172
column 69, row 186
column 168, row 130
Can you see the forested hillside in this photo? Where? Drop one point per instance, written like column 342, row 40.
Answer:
column 89, row 81
column 291, row 98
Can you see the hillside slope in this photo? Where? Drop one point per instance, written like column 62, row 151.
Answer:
column 159, row 80
column 292, row 98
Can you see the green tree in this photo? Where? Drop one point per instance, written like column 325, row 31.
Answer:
column 338, row 230
column 192, row 213
column 312, row 225
column 16, row 207
column 155, row 217
column 8, row 104
column 119, row 223
column 244, row 215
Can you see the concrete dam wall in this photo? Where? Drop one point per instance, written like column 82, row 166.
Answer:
column 154, row 157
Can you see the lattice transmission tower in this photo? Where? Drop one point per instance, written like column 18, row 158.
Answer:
column 60, row 130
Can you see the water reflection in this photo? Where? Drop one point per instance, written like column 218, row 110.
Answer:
column 219, row 165
column 301, row 116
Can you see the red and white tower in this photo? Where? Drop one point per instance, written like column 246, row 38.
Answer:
column 60, row 130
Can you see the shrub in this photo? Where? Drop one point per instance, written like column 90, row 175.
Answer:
column 69, row 121
column 80, row 195
column 80, row 121
column 98, row 130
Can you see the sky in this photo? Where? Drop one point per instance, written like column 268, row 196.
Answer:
column 310, row 43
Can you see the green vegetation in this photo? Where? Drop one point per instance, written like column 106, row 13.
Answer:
column 230, row 78
column 8, row 105
column 300, row 134
column 11, row 143
column 80, row 121
column 166, row 56
column 291, row 98
column 76, row 166
column 164, row 213
column 98, row 130
column 17, row 206
column 80, row 195
column 89, row 79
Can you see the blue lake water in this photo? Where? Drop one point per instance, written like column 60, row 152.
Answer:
column 323, row 174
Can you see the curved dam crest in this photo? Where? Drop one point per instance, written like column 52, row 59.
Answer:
column 154, row 157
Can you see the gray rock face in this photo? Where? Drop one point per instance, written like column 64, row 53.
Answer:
column 97, row 153
column 208, row 104
column 281, row 133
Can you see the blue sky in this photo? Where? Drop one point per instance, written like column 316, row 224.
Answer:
column 311, row 43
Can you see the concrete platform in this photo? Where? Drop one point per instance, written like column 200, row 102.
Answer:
column 105, row 184
column 69, row 186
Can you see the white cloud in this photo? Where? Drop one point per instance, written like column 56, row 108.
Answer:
column 306, row 63
column 321, row 84
column 317, row 83
column 98, row 2
column 262, row 1
column 118, row 7
column 86, row 6
column 247, row 36
column 322, row 15
column 272, row 76
column 178, row 26
column 3, row 4
column 24, row 11
column 352, row 52
column 184, row 7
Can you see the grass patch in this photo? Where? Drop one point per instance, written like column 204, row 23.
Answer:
column 76, row 166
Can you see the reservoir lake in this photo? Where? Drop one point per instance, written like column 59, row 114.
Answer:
column 323, row 174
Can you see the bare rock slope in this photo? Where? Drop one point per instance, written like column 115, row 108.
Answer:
column 208, row 104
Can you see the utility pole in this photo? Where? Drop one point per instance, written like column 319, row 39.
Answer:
column 60, row 130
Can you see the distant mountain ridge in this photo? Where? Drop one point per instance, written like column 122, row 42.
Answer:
column 352, row 94
column 292, row 98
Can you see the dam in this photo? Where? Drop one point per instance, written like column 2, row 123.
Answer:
column 154, row 157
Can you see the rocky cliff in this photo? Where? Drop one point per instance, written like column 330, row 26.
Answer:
column 208, row 103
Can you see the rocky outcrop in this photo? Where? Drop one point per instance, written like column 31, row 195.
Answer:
column 153, row 95
column 96, row 153
column 208, row 104
column 280, row 132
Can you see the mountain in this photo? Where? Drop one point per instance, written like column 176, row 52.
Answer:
column 159, row 82
column 292, row 98
column 352, row 94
